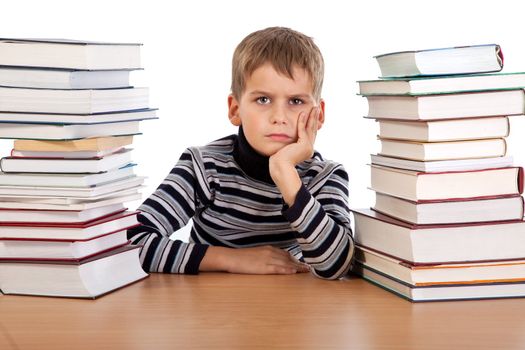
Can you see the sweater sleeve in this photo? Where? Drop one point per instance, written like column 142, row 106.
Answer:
column 165, row 211
column 320, row 219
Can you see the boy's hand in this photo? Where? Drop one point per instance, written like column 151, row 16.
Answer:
column 282, row 163
column 258, row 260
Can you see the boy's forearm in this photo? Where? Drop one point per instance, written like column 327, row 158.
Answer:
column 215, row 259
column 286, row 179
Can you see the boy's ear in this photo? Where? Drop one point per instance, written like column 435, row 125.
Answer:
column 320, row 121
column 233, row 110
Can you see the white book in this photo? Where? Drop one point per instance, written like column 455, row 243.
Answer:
column 445, row 130
column 446, row 150
column 50, row 165
column 117, row 222
column 74, row 54
column 451, row 212
column 442, row 165
column 75, row 192
column 72, row 101
column 63, row 78
column 442, row 84
column 442, row 61
column 65, row 180
column 70, row 200
column 447, row 106
column 60, row 249
column 87, row 278
column 128, row 196
column 67, row 132
column 63, row 119
column 62, row 216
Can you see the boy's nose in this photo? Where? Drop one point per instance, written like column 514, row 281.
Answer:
column 278, row 116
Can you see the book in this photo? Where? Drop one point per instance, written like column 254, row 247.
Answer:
column 72, row 54
column 443, row 61
column 500, row 208
column 64, row 119
column 438, row 244
column 51, row 165
column 442, row 84
column 87, row 278
column 447, row 106
column 66, row 180
column 66, row 203
column 72, row 249
column 75, row 192
column 446, row 150
column 62, row 216
column 442, row 292
column 67, row 132
column 445, row 130
column 43, row 204
column 443, row 165
column 87, row 144
column 439, row 274
column 419, row 187
column 65, row 155
column 72, row 101
column 67, row 231
column 63, row 78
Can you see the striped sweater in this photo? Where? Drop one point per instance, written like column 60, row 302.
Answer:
column 226, row 189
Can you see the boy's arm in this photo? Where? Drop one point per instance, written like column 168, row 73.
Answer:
column 321, row 224
column 167, row 209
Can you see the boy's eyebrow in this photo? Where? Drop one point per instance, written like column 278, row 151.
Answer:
column 260, row 92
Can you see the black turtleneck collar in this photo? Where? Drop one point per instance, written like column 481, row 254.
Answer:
column 252, row 163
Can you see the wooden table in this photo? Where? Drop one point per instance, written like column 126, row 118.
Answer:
column 224, row 311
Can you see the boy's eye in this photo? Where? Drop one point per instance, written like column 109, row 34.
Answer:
column 296, row 101
column 263, row 100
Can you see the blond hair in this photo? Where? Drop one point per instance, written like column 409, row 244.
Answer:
column 283, row 48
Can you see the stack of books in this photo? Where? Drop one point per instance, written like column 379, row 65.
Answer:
column 448, row 219
column 73, row 114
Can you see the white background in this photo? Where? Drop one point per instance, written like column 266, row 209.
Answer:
column 188, row 47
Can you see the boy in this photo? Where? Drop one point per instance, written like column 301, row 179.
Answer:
column 262, row 201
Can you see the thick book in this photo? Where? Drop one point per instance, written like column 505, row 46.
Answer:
column 500, row 208
column 442, row 61
column 439, row 274
column 49, row 132
column 71, row 54
column 72, row 101
column 419, row 186
column 67, row 231
column 65, row 155
column 442, row 84
column 71, row 249
column 445, row 130
column 74, row 192
column 65, row 205
column 52, row 165
column 66, row 180
column 442, row 292
column 63, row 78
column 443, row 165
column 445, row 150
column 80, row 119
column 62, row 216
column 87, row 144
column 438, row 244
column 447, row 106
column 86, row 278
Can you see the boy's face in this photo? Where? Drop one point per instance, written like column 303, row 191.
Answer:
column 269, row 108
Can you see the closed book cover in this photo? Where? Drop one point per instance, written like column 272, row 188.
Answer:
column 443, row 243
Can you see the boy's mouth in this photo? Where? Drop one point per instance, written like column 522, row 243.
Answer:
column 280, row 137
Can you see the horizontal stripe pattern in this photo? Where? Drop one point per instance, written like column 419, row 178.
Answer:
column 232, row 210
